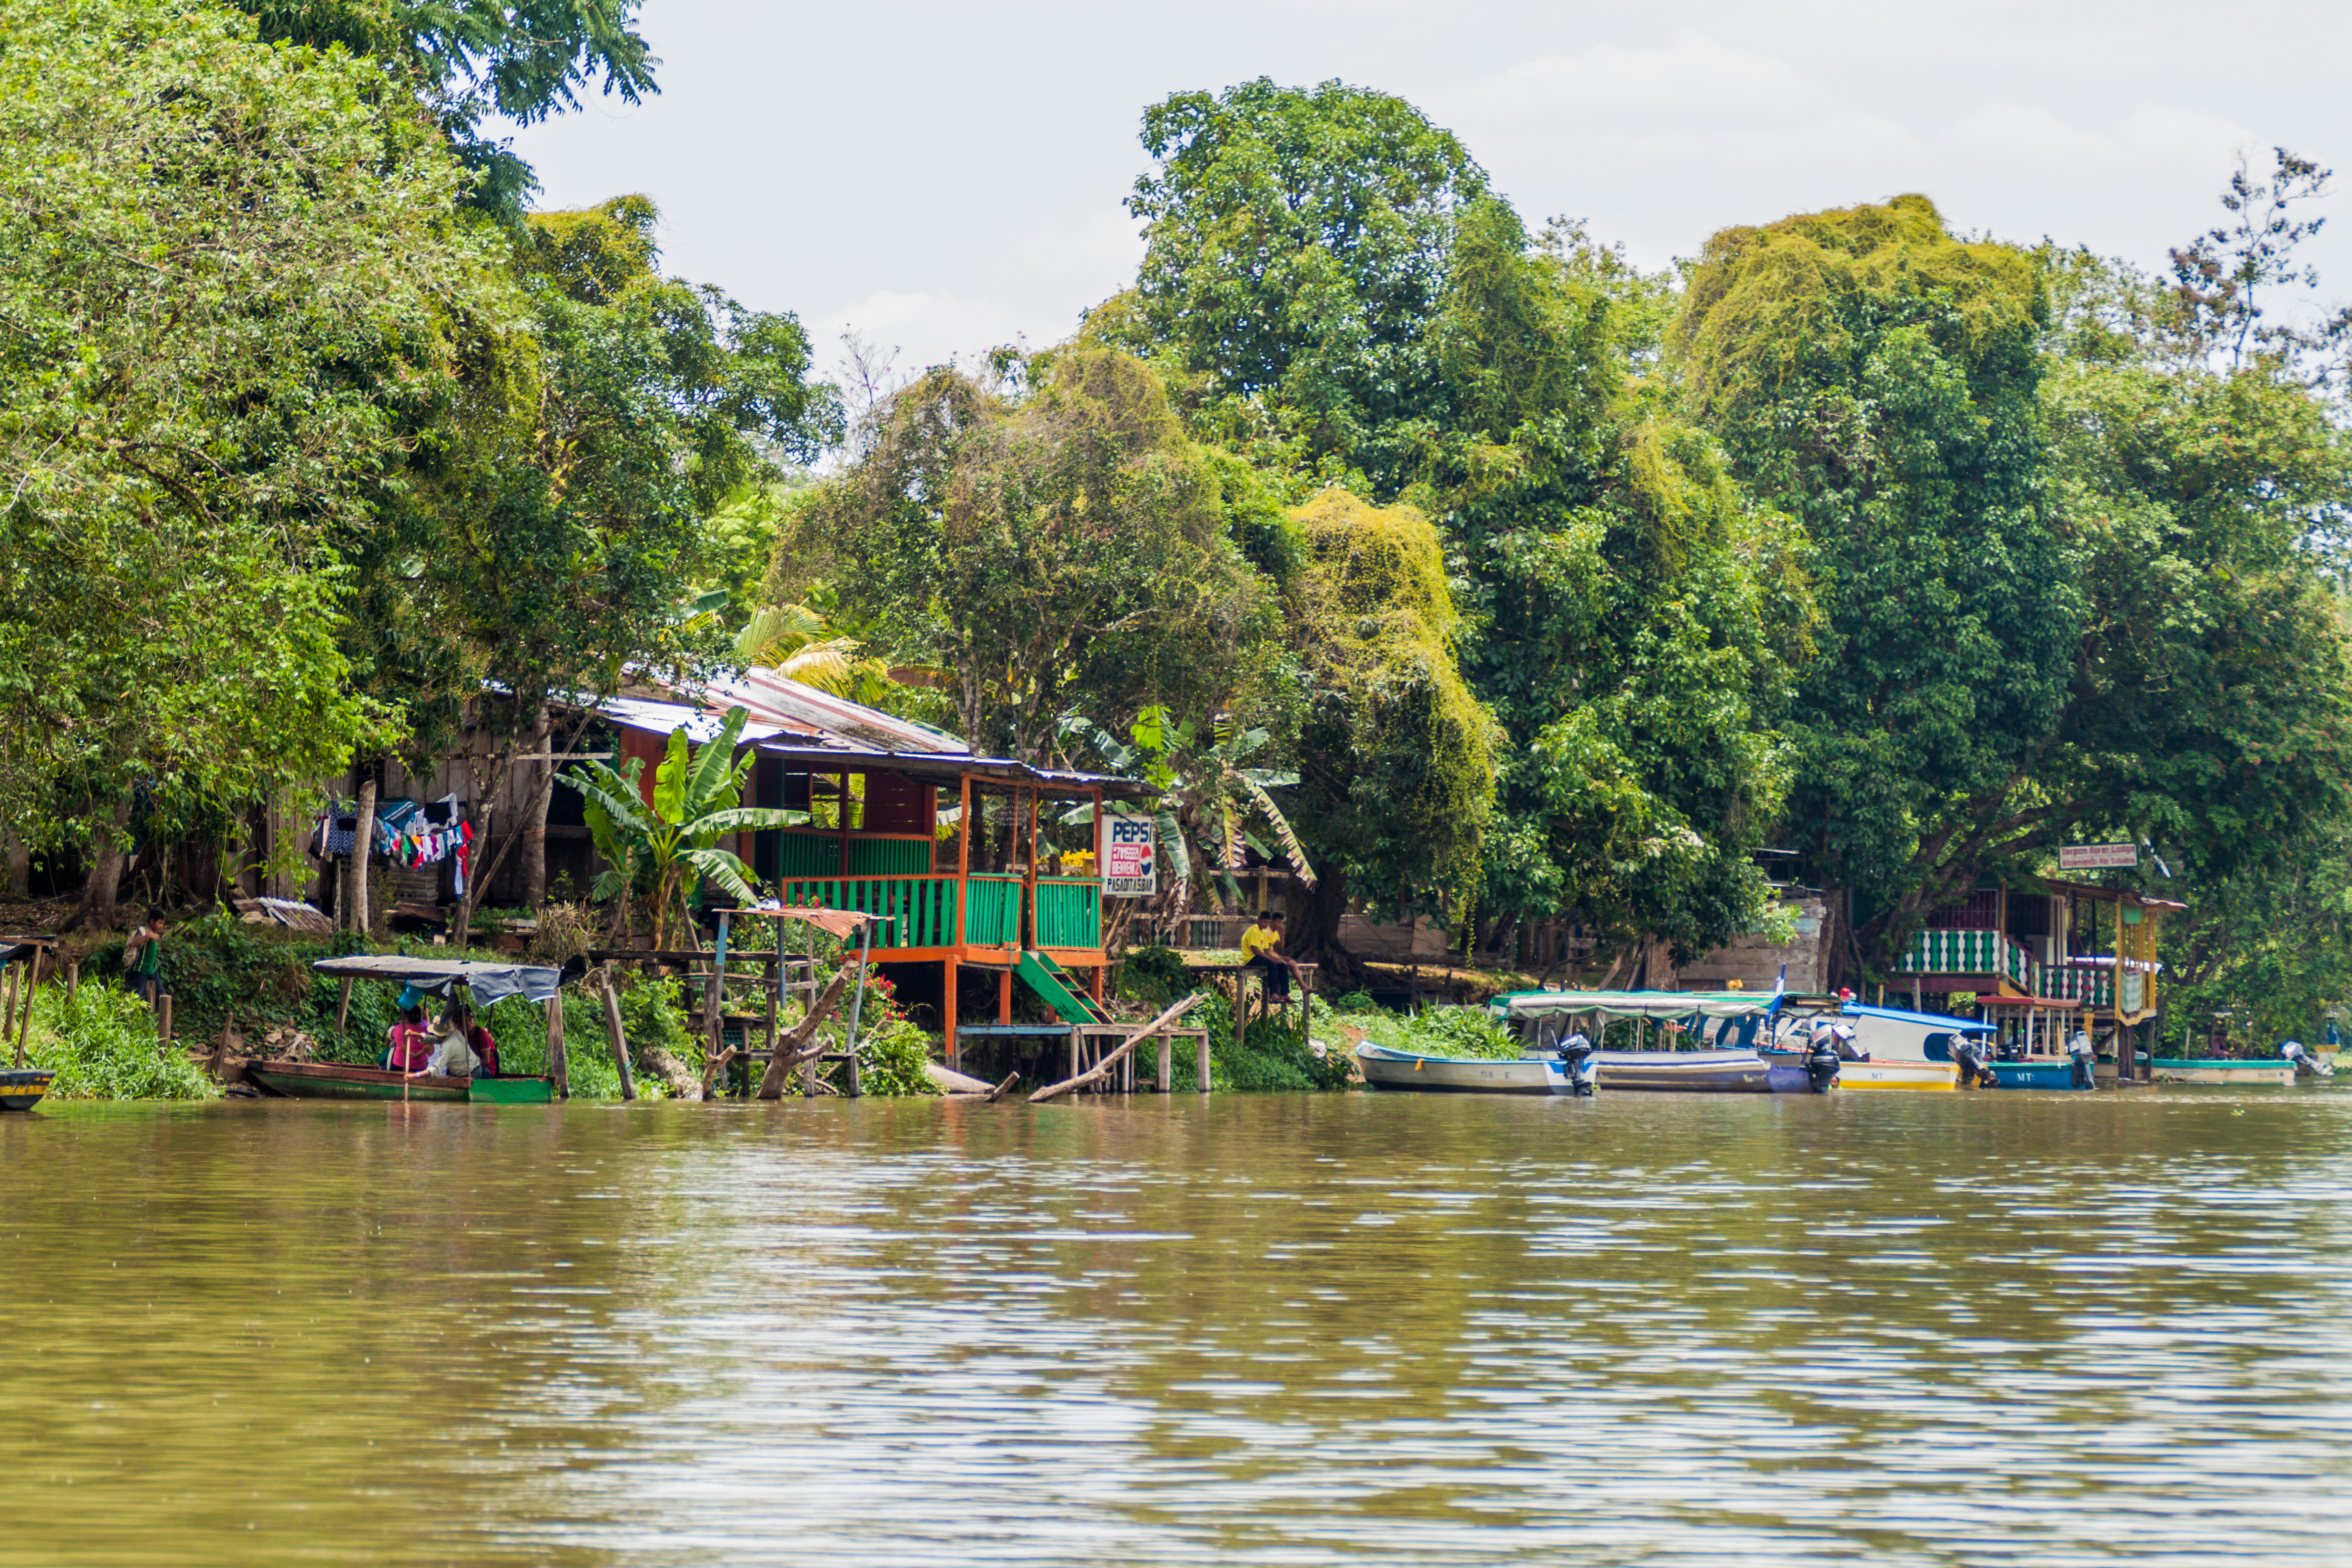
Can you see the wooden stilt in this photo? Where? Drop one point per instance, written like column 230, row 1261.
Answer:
column 1004, row 996
column 164, row 1023
column 618, row 1035
column 558, row 1064
column 1203, row 1064
column 1077, row 1050
column 1167, row 1084
column 344, row 1004
column 1109, row 1064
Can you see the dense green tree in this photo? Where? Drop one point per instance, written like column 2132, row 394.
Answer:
column 226, row 277
column 467, row 61
column 1633, row 621
column 541, row 542
column 1340, row 297
column 1395, row 754
column 1062, row 549
column 1879, row 381
column 1297, row 247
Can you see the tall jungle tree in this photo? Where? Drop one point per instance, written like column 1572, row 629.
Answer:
column 226, row 275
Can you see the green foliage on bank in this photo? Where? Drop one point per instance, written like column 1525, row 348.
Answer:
column 103, row 1045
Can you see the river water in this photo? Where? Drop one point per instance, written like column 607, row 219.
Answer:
column 1287, row 1330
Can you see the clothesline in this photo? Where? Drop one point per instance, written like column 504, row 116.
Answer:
column 406, row 832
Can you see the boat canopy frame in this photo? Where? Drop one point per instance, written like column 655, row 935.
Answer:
column 1667, row 1004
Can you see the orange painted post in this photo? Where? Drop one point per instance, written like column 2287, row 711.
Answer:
column 948, row 1016
column 1028, row 922
column 1004, row 995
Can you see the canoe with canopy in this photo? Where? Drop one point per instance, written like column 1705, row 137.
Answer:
column 418, row 978
column 1708, row 1041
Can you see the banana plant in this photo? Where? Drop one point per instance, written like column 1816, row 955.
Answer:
column 665, row 850
column 1212, row 807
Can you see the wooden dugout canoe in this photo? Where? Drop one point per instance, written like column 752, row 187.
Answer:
column 334, row 1080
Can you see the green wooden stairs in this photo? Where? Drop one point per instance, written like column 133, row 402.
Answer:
column 1060, row 988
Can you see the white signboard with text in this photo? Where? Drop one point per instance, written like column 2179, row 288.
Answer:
column 2096, row 856
column 1127, row 855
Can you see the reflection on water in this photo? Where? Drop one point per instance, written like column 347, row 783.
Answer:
column 1931, row 1329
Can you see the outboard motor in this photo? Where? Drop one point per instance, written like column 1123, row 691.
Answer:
column 2082, row 1054
column 1583, row 1072
column 1842, row 1038
column 2305, row 1064
column 1975, row 1072
column 1822, row 1060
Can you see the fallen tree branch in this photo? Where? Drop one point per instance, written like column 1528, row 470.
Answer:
column 1102, row 1069
column 1001, row 1090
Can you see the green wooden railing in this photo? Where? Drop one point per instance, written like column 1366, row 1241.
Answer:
column 1069, row 912
column 810, row 854
column 922, row 909
column 992, row 911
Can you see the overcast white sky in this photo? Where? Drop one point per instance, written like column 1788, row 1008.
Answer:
column 945, row 176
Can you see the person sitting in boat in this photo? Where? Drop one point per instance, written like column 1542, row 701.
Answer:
column 478, row 1037
column 1262, row 955
column 453, row 1052
column 408, row 1047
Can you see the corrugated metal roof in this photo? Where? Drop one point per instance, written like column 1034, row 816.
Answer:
column 786, row 702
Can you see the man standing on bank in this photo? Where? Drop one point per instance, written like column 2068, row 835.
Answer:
column 1262, row 955
column 143, row 958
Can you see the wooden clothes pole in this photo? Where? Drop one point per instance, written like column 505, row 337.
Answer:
column 163, row 1020
column 362, row 836
column 73, row 981
column 344, row 1004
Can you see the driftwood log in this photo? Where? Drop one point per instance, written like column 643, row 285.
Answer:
column 1002, row 1090
column 1103, row 1069
column 794, row 1046
column 712, row 1067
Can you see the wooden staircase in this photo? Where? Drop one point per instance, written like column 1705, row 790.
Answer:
column 1060, row 988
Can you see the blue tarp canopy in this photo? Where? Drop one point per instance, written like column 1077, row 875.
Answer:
column 490, row 982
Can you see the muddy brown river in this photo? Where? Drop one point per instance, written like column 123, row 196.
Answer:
column 1284, row 1330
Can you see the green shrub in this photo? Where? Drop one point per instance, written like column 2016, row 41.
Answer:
column 104, row 1046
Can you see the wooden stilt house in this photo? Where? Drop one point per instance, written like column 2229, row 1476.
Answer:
column 2052, row 957
column 975, row 863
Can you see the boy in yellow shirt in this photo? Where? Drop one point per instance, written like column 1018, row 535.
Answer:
column 1262, row 954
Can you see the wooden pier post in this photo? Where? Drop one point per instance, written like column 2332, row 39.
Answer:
column 559, row 1065
column 1204, row 1062
column 25, row 1023
column 618, row 1035
column 1077, row 1050
column 1167, row 1083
